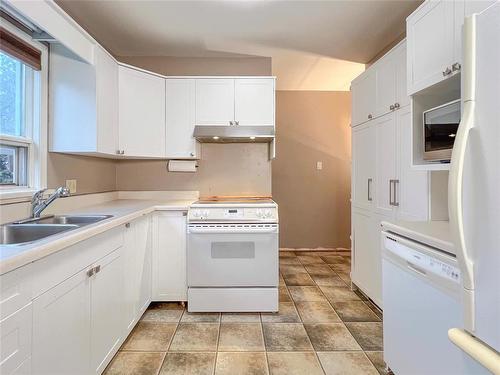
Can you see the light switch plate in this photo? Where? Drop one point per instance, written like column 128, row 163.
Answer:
column 319, row 165
column 71, row 185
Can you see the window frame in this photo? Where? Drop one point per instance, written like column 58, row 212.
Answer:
column 36, row 120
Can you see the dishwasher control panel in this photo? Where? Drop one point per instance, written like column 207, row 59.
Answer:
column 420, row 262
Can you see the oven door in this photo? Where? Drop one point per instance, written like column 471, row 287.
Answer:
column 232, row 255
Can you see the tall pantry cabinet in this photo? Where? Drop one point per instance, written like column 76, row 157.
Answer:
column 384, row 185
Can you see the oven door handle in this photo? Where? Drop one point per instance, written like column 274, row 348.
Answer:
column 224, row 230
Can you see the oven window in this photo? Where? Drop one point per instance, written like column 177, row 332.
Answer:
column 233, row 250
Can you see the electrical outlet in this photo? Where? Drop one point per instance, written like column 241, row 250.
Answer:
column 319, row 165
column 71, row 185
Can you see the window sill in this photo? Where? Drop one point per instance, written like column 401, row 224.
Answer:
column 16, row 195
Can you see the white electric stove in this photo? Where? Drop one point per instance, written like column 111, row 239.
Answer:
column 232, row 255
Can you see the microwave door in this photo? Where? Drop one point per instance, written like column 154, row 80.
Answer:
column 440, row 128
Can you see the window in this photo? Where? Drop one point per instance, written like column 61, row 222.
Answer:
column 22, row 112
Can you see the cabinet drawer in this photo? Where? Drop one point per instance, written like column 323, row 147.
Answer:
column 58, row 267
column 15, row 342
column 15, row 290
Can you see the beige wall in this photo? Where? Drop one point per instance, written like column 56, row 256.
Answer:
column 314, row 204
column 199, row 66
column 225, row 169
column 92, row 174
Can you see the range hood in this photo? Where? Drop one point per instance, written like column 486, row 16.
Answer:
column 234, row 134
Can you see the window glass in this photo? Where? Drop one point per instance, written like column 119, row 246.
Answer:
column 12, row 95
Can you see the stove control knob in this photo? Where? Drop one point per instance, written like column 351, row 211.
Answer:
column 196, row 213
column 259, row 214
column 205, row 213
column 268, row 214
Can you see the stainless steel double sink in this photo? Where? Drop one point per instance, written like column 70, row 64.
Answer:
column 30, row 230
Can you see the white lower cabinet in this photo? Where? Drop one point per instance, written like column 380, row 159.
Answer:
column 137, row 269
column 106, row 300
column 169, row 256
column 15, row 342
column 61, row 328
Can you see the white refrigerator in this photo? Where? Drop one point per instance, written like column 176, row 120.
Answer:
column 474, row 190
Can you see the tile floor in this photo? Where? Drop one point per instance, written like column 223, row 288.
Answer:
column 322, row 328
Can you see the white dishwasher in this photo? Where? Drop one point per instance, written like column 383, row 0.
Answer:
column 422, row 300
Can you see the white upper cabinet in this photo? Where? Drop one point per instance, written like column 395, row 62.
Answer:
column 180, row 118
column 254, row 101
column 214, row 101
column 363, row 94
column 141, row 114
column 83, row 104
column 402, row 98
column 386, row 86
column 107, row 102
column 233, row 102
column 434, row 43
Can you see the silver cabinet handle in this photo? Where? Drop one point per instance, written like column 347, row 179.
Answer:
column 231, row 123
column 391, row 203
column 396, row 195
column 391, row 107
column 127, row 225
column 396, row 105
column 370, row 180
column 456, row 67
column 447, row 71
column 91, row 272
column 191, row 153
column 370, row 116
column 123, row 152
column 97, row 268
column 237, row 122
column 392, row 193
column 118, row 152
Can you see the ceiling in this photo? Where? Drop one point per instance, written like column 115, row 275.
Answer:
column 310, row 35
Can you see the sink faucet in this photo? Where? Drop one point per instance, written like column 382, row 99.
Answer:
column 38, row 204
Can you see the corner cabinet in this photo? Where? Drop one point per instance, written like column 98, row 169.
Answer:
column 83, row 103
column 235, row 101
column 141, row 114
column 169, row 256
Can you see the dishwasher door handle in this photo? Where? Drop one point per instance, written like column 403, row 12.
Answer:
column 416, row 268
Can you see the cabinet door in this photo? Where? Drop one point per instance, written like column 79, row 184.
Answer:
column 141, row 113
column 365, row 270
column 137, row 254
column 363, row 165
column 254, row 101
column 412, row 192
column 402, row 97
column 214, row 101
column 180, row 114
column 15, row 341
column 106, row 102
column 363, row 97
column 430, row 42
column 386, row 85
column 385, row 161
column 61, row 328
column 169, row 257
column 107, row 296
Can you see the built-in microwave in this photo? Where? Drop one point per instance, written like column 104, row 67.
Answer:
column 440, row 128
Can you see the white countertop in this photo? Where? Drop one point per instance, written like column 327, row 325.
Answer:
column 432, row 233
column 123, row 211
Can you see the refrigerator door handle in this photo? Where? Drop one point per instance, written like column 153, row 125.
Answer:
column 482, row 353
column 455, row 184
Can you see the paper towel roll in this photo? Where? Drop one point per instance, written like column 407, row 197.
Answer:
column 181, row 166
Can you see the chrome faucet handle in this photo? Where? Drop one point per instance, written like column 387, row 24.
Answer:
column 62, row 191
column 37, row 197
